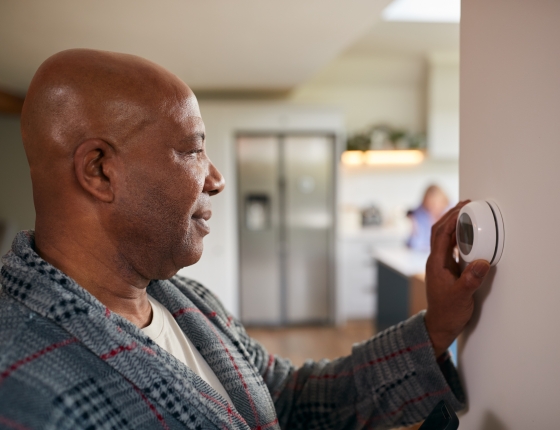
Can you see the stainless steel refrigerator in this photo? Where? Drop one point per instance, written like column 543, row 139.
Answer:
column 286, row 201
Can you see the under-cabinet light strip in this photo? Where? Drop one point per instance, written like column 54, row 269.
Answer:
column 382, row 157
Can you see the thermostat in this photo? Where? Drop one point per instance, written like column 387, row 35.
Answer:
column 480, row 232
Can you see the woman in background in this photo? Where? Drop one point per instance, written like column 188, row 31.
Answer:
column 434, row 205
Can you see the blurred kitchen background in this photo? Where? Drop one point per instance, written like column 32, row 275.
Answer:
column 329, row 120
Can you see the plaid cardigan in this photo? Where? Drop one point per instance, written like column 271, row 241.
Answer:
column 68, row 362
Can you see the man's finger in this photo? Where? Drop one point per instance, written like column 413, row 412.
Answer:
column 442, row 237
column 449, row 213
column 473, row 275
column 452, row 213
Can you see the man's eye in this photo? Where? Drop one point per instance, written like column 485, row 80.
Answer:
column 190, row 152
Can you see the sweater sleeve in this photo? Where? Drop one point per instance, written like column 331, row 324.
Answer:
column 390, row 380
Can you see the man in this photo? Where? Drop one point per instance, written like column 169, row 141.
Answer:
column 96, row 331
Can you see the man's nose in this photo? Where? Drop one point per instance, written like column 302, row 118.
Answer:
column 214, row 182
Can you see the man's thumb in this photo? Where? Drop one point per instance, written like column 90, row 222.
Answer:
column 474, row 274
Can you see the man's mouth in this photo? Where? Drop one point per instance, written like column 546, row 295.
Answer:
column 201, row 220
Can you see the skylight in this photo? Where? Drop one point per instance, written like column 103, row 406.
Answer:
column 423, row 10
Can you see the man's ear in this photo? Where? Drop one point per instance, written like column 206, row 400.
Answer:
column 94, row 165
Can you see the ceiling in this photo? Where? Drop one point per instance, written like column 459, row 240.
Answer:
column 408, row 39
column 210, row 44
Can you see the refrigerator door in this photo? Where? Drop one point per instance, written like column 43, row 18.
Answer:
column 258, row 203
column 309, row 227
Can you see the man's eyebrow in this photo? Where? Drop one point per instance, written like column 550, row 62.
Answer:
column 189, row 137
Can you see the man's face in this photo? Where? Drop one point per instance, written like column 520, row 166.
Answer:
column 164, row 204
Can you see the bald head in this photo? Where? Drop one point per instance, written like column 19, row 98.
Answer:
column 81, row 93
column 116, row 149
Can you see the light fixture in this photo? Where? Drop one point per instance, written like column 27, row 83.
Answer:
column 399, row 157
column 352, row 158
column 383, row 158
column 423, row 11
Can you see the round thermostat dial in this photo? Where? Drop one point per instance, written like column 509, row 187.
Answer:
column 480, row 232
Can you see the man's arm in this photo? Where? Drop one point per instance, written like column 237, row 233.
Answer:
column 450, row 292
column 388, row 381
column 400, row 374
column 393, row 379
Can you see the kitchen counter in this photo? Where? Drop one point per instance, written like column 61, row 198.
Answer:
column 400, row 284
column 402, row 259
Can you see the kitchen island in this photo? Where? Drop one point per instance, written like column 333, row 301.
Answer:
column 401, row 290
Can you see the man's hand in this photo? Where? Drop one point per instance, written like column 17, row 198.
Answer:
column 450, row 293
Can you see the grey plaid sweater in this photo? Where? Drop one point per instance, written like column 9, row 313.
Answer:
column 67, row 362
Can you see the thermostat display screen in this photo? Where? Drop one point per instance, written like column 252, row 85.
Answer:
column 480, row 232
column 465, row 233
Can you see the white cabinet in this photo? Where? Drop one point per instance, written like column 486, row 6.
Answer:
column 357, row 271
column 357, row 278
column 443, row 106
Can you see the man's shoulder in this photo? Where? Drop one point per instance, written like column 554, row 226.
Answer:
column 23, row 331
column 49, row 379
column 13, row 319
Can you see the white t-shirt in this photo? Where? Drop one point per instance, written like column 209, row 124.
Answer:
column 165, row 331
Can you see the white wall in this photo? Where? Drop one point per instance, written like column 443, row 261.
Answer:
column 510, row 151
column 16, row 195
column 443, row 105
column 371, row 89
column 218, row 267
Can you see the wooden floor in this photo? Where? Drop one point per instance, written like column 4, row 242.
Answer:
column 315, row 342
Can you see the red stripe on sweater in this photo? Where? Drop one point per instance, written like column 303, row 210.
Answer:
column 404, row 405
column 270, row 424
column 148, row 350
column 270, row 361
column 292, row 385
column 185, row 310
column 231, row 412
column 151, row 406
column 34, row 356
column 249, row 397
column 392, row 355
column 370, row 363
column 12, row 424
column 117, row 351
column 226, row 406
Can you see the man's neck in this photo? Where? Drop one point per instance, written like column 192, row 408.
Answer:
column 97, row 269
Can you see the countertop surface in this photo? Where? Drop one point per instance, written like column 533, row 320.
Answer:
column 402, row 259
